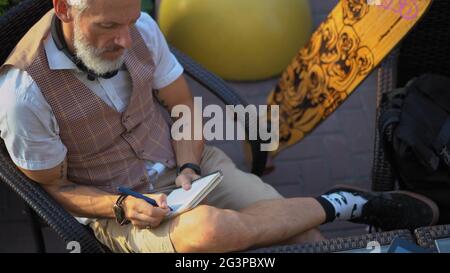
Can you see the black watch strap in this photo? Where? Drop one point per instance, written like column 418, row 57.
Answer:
column 196, row 168
column 120, row 215
column 121, row 199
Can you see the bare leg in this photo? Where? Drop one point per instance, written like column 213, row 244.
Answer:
column 290, row 218
column 208, row 229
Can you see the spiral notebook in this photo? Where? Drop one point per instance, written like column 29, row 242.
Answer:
column 181, row 200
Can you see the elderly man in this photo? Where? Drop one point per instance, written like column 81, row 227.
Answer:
column 79, row 117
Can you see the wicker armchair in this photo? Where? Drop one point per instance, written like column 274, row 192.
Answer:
column 354, row 244
column 13, row 26
column 427, row 236
column 424, row 50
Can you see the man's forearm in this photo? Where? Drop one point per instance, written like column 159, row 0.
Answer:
column 83, row 201
column 188, row 151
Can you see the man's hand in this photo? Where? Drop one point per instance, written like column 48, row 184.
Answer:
column 142, row 214
column 185, row 179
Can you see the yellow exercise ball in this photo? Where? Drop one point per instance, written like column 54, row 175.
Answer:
column 238, row 39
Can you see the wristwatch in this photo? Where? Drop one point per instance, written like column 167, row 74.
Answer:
column 119, row 211
column 196, row 168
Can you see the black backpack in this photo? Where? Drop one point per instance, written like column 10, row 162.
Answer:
column 414, row 126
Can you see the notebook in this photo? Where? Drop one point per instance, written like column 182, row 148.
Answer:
column 181, row 200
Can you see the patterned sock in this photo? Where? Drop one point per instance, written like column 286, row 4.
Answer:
column 341, row 206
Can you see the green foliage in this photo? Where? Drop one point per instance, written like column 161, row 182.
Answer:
column 147, row 6
column 3, row 6
column 7, row 4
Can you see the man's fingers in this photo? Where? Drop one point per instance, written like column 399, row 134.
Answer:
column 144, row 221
column 149, row 210
column 186, row 186
column 144, row 215
column 159, row 212
column 152, row 211
column 141, row 217
column 161, row 200
column 184, row 181
column 195, row 177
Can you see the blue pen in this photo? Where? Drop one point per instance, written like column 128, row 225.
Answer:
column 140, row 196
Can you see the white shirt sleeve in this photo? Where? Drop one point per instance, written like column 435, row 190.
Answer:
column 27, row 124
column 168, row 69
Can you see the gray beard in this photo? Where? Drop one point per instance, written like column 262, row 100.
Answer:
column 91, row 56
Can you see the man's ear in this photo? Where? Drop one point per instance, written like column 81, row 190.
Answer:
column 63, row 10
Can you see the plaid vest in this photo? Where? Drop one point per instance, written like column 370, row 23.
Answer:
column 106, row 148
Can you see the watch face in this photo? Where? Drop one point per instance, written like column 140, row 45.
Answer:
column 120, row 214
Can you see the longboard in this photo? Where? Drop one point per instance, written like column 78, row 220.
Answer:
column 356, row 36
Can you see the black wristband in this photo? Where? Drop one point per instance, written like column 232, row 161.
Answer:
column 196, row 168
column 119, row 212
column 121, row 199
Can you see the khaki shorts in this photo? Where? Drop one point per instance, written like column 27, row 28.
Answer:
column 237, row 190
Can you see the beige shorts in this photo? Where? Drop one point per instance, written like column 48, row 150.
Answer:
column 237, row 190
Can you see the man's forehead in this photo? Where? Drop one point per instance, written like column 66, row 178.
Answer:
column 114, row 10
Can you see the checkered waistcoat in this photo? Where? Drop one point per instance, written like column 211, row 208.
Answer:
column 106, row 148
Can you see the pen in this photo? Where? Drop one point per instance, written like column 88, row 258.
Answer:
column 140, row 196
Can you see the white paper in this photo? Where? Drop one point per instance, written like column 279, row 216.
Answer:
column 180, row 200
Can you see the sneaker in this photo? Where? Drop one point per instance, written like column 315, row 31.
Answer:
column 393, row 210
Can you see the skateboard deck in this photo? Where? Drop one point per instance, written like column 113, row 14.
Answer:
column 356, row 36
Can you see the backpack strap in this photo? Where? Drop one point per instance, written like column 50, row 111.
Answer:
column 388, row 117
column 440, row 144
column 392, row 103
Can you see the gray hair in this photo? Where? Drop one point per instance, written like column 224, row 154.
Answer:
column 80, row 5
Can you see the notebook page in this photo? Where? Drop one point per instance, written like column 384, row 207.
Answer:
column 179, row 199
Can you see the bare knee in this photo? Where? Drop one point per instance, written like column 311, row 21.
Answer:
column 208, row 229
